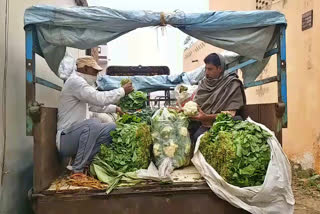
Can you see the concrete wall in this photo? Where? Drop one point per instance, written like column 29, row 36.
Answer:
column 2, row 91
column 301, row 140
column 18, row 161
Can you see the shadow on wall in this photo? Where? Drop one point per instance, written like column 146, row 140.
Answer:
column 23, row 183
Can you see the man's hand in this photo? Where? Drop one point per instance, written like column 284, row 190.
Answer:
column 205, row 119
column 128, row 88
column 119, row 110
column 201, row 116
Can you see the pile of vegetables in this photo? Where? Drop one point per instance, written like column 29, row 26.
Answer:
column 128, row 152
column 133, row 101
column 170, row 137
column 237, row 150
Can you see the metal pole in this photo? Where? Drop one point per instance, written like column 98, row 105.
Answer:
column 282, row 74
column 30, row 80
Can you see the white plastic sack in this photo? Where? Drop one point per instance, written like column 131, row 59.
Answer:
column 273, row 196
column 151, row 173
column 185, row 96
column 67, row 66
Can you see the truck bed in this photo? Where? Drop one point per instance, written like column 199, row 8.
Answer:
column 187, row 194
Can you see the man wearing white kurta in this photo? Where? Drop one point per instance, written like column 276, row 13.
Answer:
column 78, row 135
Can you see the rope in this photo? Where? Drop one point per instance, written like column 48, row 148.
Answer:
column 162, row 19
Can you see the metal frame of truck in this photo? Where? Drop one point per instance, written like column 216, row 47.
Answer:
column 173, row 198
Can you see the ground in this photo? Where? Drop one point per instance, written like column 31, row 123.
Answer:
column 306, row 189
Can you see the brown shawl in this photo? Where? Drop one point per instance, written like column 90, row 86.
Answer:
column 223, row 94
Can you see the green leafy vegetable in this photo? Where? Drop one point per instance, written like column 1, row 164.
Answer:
column 133, row 101
column 145, row 114
column 105, row 173
column 130, row 148
column 128, row 152
column 237, row 150
column 125, row 81
column 127, row 119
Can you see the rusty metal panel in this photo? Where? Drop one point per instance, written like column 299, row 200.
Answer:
column 184, row 200
column 47, row 165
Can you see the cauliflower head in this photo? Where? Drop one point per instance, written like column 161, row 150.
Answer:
column 190, row 108
column 166, row 131
column 170, row 150
column 183, row 131
column 156, row 149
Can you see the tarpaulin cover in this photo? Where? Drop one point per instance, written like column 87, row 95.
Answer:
column 248, row 33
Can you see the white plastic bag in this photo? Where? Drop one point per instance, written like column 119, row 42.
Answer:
column 171, row 140
column 67, row 66
column 273, row 196
column 104, row 117
column 184, row 96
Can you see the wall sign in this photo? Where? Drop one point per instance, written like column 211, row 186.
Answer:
column 307, row 20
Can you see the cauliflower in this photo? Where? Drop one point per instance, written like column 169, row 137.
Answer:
column 155, row 135
column 187, row 148
column 156, row 149
column 183, row 131
column 170, row 149
column 165, row 132
column 190, row 108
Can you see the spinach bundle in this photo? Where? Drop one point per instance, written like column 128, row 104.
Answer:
column 128, row 152
column 237, row 150
column 133, row 101
column 130, row 147
column 118, row 162
column 145, row 114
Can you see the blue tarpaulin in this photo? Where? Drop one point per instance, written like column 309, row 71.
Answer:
column 247, row 33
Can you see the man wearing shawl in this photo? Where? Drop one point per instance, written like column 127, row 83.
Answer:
column 217, row 92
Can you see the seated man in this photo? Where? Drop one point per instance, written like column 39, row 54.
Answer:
column 77, row 135
column 217, row 92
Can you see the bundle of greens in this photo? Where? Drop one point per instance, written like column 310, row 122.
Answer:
column 128, row 152
column 130, row 147
column 237, row 150
column 133, row 101
column 125, row 81
column 145, row 114
column 171, row 138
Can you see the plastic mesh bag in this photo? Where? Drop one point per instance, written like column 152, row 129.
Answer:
column 171, row 140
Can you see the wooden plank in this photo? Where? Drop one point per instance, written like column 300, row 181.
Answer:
column 185, row 201
column 47, row 165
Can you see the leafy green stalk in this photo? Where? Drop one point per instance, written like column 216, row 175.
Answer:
column 237, row 150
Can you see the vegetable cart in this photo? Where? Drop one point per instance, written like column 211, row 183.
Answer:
column 254, row 35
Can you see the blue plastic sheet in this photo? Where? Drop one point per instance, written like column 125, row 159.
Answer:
column 248, row 33
column 142, row 83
